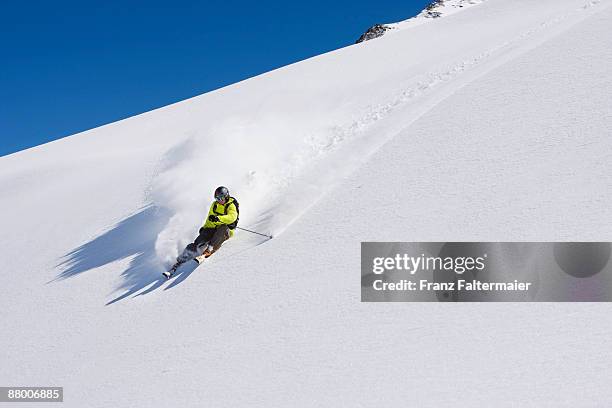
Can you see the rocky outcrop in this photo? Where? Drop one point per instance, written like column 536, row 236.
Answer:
column 435, row 9
column 375, row 31
column 430, row 11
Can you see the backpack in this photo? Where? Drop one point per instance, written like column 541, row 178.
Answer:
column 234, row 224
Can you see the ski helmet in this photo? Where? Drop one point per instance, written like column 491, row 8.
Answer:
column 221, row 193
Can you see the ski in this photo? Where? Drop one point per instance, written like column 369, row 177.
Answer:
column 199, row 259
column 168, row 274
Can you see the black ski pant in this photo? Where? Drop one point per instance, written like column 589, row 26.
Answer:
column 213, row 236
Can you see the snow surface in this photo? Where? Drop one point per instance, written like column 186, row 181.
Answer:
column 492, row 124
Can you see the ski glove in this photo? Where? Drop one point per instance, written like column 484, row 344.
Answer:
column 213, row 218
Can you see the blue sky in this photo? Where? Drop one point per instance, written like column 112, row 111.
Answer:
column 69, row 66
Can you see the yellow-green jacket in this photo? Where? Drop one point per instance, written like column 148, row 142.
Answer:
column 227, row 213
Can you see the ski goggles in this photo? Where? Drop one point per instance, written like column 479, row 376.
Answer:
column 220, row 199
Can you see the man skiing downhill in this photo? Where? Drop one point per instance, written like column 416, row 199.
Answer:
column 218, row 227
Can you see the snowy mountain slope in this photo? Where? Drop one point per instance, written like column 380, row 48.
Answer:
column 490, row 124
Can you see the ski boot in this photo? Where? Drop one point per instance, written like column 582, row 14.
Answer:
column 190, row 252
column 208, row 251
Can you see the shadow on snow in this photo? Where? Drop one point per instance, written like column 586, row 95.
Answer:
column 132, row 237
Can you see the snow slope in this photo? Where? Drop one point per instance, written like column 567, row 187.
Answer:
column 490, row 124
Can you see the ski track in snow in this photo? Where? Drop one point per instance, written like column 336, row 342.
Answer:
column 326, row 143
column 346, row 132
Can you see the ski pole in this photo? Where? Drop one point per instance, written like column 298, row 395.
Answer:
column 253, row 232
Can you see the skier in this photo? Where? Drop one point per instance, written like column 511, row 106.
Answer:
column 218, row 227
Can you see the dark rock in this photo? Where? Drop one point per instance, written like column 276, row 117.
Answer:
column 430, row 10
column 375, row 31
